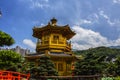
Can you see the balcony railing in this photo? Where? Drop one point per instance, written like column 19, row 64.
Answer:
column 54, row 42
column 63, row 44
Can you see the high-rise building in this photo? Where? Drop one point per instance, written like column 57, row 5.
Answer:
column 19, row 50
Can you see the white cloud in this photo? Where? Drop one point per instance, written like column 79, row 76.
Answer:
column 96, row 16
column 116, row 42
column 108, row 19
column 29, row 43
column 46, row 0
column 86, row 38
column 36, row 22
column 36, row 3
column 116, row 1
column 42, row 24
column 90, row 19
column 103, row 14
column 85, row 21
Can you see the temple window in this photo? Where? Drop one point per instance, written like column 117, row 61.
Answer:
column 46, row 37
column 60, row 67
column 55, row 65
column 68, row 66
column 55, row 37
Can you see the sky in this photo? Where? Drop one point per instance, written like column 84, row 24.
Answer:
column 96, row 22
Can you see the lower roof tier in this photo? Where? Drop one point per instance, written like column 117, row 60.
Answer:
column 64, row 55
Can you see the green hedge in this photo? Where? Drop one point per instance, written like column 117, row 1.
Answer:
column 117, row 78
column 111, row 78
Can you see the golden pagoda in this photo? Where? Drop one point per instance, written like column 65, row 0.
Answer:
column 53, row 41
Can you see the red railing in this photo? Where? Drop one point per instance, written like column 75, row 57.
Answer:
column 10, row 75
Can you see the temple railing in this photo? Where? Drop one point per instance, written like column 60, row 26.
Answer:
column 10, row 75
column 56, row 42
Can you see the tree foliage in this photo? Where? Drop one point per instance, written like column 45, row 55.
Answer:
column 6, row 39
column 100, row 60
column 90, row 65
column 45, row 67
column 9, row 60
column 117, row 63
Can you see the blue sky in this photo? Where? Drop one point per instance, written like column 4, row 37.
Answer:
column 96, row 22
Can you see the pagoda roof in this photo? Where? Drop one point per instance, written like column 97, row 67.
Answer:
column 36, row 55
column 38, row 32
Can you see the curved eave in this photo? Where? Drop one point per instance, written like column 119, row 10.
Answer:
column 69, row 36
column 65, row 30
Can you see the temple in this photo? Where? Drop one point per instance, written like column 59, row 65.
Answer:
column 53, row 41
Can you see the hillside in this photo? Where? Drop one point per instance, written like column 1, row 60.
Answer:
column 99, row 51
column 115, row 47
column 100, row 60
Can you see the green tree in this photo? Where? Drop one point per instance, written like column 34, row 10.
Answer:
column 6, row 39
column 92, row 64
column 45, row 67
column 111, row 68
column 26, row 67
column 9, row 60
column 100, row 60
column 117, row 63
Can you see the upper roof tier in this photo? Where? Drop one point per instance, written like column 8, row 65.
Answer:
column 52, row 27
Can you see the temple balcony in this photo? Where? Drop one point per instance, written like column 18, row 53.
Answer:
column 53, row 44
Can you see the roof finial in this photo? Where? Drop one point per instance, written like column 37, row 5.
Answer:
column 53, row 21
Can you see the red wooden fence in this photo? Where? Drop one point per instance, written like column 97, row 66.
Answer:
column 10, row 75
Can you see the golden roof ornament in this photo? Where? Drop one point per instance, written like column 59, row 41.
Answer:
column 53, row 21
